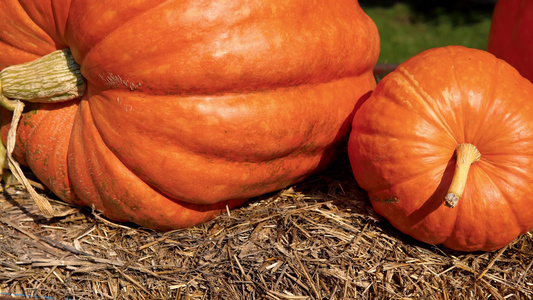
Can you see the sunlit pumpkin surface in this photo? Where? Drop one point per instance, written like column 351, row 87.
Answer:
column 404, row 138
column 190, row 105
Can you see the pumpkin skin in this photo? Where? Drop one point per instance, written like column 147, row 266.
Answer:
column 404, row 138
column 190, row 105
column 511, row 34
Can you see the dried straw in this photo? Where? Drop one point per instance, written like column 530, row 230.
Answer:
column 316, row 240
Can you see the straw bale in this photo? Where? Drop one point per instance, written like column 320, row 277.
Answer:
column 319, row 239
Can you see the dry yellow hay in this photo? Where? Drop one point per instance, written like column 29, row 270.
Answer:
column 316, row 240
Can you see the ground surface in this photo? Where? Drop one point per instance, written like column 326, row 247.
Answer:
column 316, row 240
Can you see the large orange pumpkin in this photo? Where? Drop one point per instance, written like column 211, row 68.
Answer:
column 511, row 34
column 449, row 127
column 190, row 105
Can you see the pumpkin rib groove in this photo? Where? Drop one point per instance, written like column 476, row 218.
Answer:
column 60, row 31
column 122, row 24
column 31, row 30
column 422, row 172
column 108, row 121
column 121, row 186
column 388, row 136
column 509, row 204
column 433, row 113
column 509, row 179
column 477, row 128
column 458, row 115
column 275, row 166
column 50, row 165
column 500, row 134
column 27, row 115
column 36, row 22
column 412, row 177
column 296, row 151
column 113, row 122
column 22, row 49
column 506, row 167
column 490, row 110
column 492, row 88
column 245, row 92
column 472, row 131
column 388, row 131
column 483, row 223
column 287, row 85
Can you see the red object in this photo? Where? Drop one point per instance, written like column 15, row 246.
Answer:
column 511, row 34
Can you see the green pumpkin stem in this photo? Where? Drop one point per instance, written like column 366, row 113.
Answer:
column 55, row 77
column 466, row 154
column 5, row 102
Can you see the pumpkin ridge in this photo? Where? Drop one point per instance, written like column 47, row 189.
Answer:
column 48, row 164
column 118, row 192
column 115, row 80
column 489, row 145
column 110, row 119
column 25, row 50
column 433, row 115
column 491, row 94
column 402, row 111
column 122, row 24
column 504, row 167
column 458, row 114
column 30, row 29
column 490, row 110
column 244, row 91
column 388, row 136
column 412, row 177
column 422, row 171
column 487, row 109
column 239, row 68
column 506, row 196
column 486, row 222
column 276, row 167
column 26, row 119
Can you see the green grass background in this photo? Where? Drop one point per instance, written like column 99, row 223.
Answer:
column 409, row 27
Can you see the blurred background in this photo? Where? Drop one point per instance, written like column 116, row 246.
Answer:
column 410, row 26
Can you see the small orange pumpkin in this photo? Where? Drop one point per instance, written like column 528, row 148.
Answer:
column 449, row 124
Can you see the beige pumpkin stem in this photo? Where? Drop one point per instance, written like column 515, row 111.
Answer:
column 55, row 77
column 466, row 154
